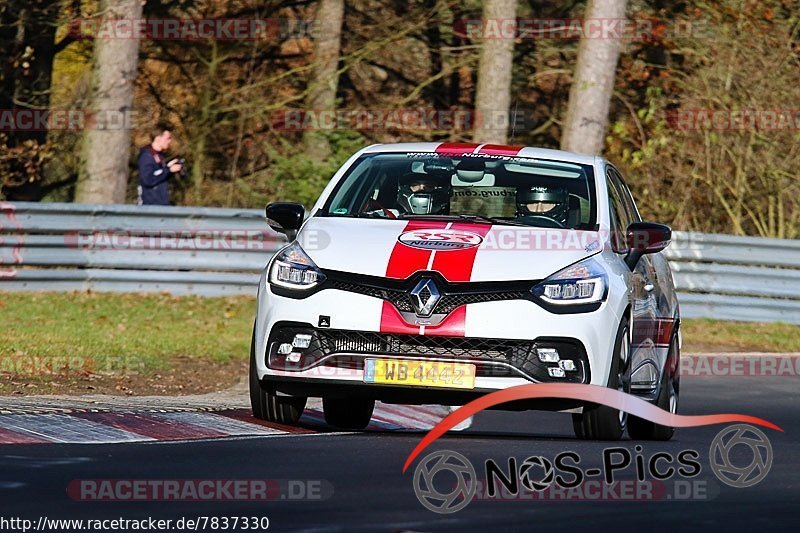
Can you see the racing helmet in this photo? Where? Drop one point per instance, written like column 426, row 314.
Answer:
column 551, row 202
column 423, row 194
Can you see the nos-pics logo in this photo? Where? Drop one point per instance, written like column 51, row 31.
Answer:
column 446, row 482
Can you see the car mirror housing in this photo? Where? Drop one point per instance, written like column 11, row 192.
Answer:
column 645, row 238
column 285, row 217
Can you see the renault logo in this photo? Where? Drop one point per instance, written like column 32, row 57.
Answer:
column 424, row 297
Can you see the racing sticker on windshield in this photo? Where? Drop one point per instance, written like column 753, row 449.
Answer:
column 441, row 240
column 486, row 201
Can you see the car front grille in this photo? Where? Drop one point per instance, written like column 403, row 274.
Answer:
column 453, row 295
column 425, row 346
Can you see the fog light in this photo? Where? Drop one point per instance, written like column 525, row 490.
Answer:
column 301, row 340
column 556, row 372
column 293, row 357
column 567, row 364
column 285, row 348
column 548, row 355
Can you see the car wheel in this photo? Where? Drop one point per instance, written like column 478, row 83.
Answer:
column 600, row 422
column 640, row 429
column 268, row 406
column 348, row 413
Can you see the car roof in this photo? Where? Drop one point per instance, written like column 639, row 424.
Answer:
column 486, row 149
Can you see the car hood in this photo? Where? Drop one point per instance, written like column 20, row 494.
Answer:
column 459, row 251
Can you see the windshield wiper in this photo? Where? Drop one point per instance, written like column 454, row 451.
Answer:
column 357, row 215
column 491, row 220
column 478, row 219
column 412, row 216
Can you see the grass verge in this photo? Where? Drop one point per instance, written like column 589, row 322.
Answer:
column 705, row 335
column 122, row 343
column 158, row 344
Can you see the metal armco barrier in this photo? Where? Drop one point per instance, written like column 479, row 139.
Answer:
column 218, row 252
column 129, row 248
column 736, row 278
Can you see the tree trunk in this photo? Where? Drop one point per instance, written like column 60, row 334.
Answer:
column 206, row 119
column 323, row 83
column 593, row 84
column 493, row 94
column 436, row 93
column 27, row 31
column 107, row 143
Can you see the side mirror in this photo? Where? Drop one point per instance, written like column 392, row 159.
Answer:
column 285, row 217
column 645, row 238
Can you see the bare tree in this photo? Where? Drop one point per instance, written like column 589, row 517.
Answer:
column 323, row 83
column 107, row 141
column 493, row 94
column 593, row 83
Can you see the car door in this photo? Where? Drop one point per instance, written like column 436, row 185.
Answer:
column 645, row 290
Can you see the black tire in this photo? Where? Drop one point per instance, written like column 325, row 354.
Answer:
column 266, row 406
column 640, row 429
column 600, row 422
column 348, row 413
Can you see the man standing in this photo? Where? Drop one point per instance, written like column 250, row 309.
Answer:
column 154, row 169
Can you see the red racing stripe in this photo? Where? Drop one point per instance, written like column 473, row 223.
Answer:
column 452, row 326
column 456, row 148
column 500, row 149
column 456, row 265
column 392, row 321
column 406, row 260
column 453, row 265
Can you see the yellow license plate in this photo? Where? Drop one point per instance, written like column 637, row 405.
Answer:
column 420, row 373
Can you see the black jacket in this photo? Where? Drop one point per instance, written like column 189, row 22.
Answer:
column 153, row 176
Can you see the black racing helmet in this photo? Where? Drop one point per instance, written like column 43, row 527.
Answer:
column 544, row 195
column 424, row 194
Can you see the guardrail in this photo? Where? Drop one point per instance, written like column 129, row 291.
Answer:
column 736, row 278
column 129, row 248
column 217, row 252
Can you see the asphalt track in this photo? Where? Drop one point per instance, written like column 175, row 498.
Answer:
column 370, row 492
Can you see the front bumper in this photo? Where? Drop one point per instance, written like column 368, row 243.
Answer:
column 347, row 350
column 517, row 323
column 341, row 388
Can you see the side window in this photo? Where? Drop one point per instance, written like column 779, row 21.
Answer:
column 627, row 197
column 620, row 216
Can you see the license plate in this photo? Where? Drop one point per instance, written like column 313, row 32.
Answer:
column 420, row 373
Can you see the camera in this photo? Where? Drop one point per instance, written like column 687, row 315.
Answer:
column 182, row 162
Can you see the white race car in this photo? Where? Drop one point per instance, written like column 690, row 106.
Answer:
column 438, row 272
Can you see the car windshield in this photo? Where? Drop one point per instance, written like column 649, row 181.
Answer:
column 484, row 189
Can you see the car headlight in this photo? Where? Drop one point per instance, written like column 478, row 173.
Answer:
column 582, row 283
column 293, row 269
